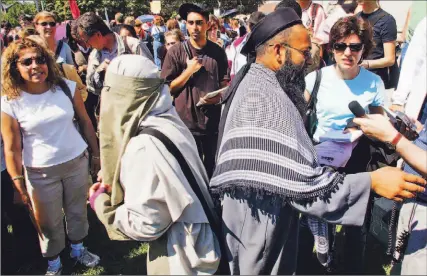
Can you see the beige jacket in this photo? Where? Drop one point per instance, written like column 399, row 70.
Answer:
column 159, row 204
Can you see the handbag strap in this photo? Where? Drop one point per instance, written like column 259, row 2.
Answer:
column 67, row 92
column 204, row 198
column 313, row 97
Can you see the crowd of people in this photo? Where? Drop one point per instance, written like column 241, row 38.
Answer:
column 226, row 143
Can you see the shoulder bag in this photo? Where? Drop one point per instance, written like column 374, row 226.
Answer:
column 310, row 120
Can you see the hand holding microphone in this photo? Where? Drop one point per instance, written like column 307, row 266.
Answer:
column 379, row 126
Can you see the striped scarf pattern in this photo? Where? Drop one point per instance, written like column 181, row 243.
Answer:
column 265, row 150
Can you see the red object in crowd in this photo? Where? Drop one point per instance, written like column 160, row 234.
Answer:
column 75, row 11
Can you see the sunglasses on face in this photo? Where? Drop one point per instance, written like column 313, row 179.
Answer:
column 197, row 22
column 171, row 43
column 28, row 61
column 354, row 47
column 44, row 24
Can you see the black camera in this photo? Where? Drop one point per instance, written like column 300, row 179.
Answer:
column 404, row 125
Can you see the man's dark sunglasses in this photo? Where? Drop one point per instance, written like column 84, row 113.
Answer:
column 354, row 47
column 198, row 22
column 44, row 24
column 28, row 61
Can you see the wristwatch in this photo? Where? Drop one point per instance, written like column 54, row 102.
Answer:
column 392, row 145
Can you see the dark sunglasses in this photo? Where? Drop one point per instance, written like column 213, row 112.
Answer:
column 28, row 61
column 354, row 47
column 44, row 24
column 198, row 22
column 171, row 43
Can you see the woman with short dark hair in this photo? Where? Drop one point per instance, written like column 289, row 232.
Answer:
column 350, row 42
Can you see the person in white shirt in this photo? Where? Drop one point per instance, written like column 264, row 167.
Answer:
column 38, row 107
column 312, row 15
column 341, row 9
column 411, row 90
column 234, row 57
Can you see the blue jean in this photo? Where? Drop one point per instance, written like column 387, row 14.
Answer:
column 405, row 47
column 156, row 46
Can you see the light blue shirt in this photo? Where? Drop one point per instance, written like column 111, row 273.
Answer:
column 335, row 94
column 65, row 55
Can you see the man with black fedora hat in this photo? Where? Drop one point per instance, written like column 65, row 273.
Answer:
column 193, row 69
column 267, row 169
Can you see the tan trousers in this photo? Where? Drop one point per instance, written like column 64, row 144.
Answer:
column 57, row 188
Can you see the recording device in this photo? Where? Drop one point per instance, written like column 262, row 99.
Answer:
column 357, row 109
column 400, row 120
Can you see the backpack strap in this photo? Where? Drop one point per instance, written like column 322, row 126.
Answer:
column 67, row 92
column 187, row 49
column 313, row 97
column 127, row 48
column 314, row 11
column 58, row 48
column 204, row 197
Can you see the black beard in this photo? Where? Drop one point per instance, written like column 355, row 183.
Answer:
column 292, row 80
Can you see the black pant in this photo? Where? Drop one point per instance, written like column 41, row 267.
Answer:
column 206, row 146
column 91, row 104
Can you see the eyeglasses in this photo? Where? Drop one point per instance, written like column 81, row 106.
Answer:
column 44, row 24
column 197, row 22
column 28, row 61
column 354, row 47
column 305, row 53
column 171, row 43
column 86, row 41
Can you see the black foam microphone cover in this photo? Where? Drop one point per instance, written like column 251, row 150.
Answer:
column 356, row 109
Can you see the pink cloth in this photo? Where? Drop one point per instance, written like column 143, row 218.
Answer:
column 94, row 196
column 307, row 19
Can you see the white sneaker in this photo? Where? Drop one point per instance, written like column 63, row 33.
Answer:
column 53, row 271
column 86, row 258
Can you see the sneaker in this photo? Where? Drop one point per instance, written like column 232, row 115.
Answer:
column 86, row 258
column 53, row 271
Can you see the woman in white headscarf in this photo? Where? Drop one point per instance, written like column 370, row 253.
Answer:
column 147, row 196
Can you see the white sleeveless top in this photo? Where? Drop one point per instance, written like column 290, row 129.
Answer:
column 46, row 123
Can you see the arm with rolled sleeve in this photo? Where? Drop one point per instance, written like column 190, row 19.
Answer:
column 414, row 60
column 347, row 205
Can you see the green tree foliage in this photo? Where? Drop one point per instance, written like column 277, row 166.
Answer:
column 16, row 10
column 170, row 7
column 128, row 7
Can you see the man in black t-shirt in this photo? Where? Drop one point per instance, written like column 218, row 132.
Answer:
column 383, row 57
column 194, row 68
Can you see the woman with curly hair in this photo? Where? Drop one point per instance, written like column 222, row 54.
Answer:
column 38, row 107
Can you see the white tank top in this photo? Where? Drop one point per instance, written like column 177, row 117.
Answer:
column 46, row 123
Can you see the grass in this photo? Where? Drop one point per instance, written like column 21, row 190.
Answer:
column 129, row 258
column 117, row 257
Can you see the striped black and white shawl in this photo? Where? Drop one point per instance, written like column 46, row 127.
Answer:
column 265, row 149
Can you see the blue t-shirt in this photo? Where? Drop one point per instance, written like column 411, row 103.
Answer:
column 335, row 94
